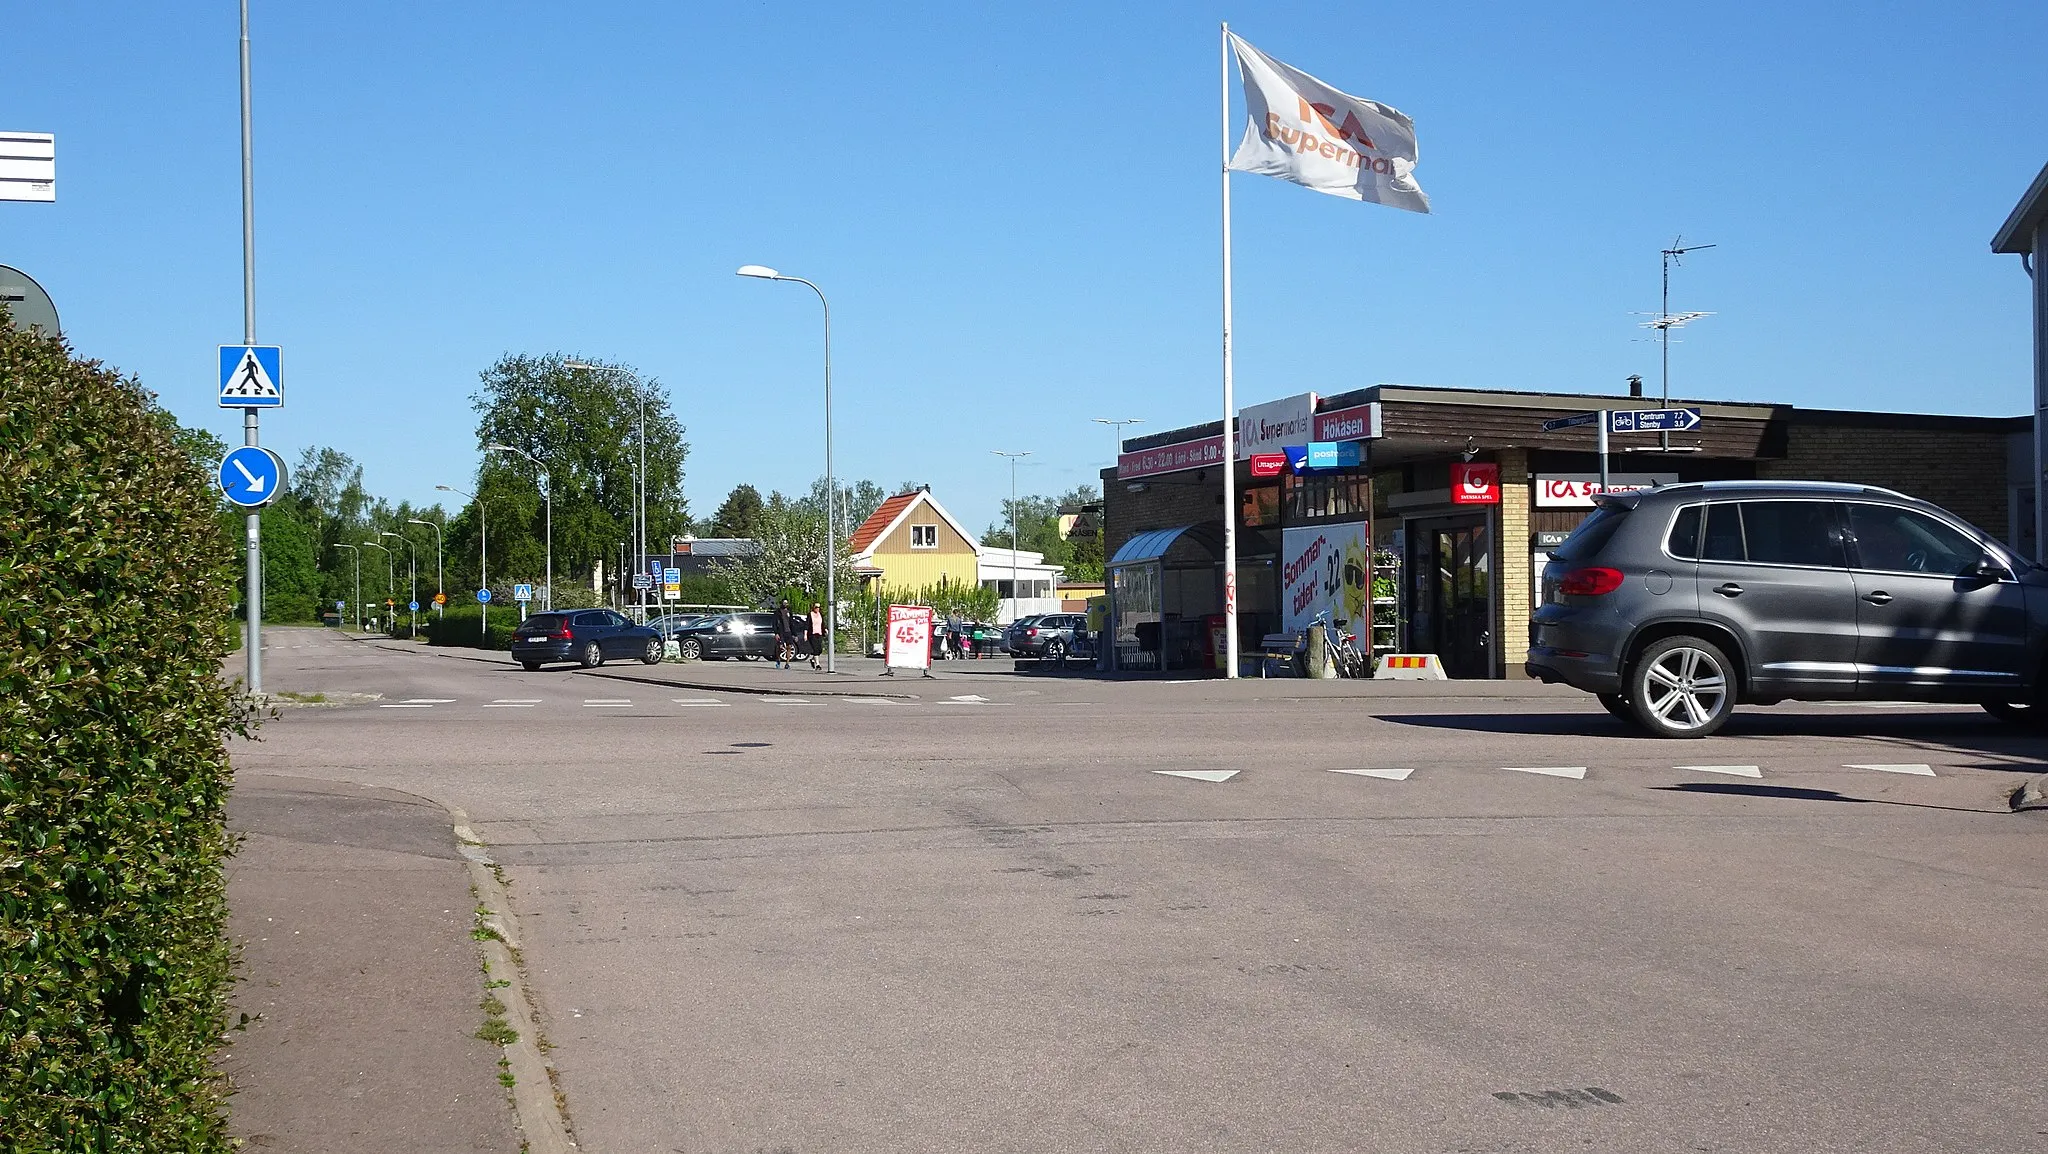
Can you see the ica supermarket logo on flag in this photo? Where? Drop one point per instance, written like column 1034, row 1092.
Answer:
column 1303, row 130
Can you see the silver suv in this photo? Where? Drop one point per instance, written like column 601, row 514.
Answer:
column 1673, row 604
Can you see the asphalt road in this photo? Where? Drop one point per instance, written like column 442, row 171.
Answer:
column 994, row 919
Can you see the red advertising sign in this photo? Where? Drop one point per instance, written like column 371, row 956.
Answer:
column 1475, row 483
column 1170, row 458
column 1268, row 464
column 1358, row 423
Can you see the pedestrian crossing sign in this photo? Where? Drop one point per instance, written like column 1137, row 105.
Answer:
column 249, row 377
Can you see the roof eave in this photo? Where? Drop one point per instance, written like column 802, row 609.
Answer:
column 2018, row 234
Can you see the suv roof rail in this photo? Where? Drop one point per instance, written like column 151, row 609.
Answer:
column 1795, row 485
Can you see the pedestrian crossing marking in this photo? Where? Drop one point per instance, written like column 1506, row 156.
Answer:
column 1575, row 772
column 1730, row 770
column 1914, row 769
column 1382, row 774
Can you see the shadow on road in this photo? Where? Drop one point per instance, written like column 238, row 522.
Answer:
column 1794, row 793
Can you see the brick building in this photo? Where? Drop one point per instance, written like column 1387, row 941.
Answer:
column 1458, row 493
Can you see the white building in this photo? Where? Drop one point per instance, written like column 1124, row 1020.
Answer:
column 1036, row 589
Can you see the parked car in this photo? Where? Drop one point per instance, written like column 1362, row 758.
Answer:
column 747, row 636
column 1673, row 604
column 585, row 636
column 669, row 624
column 1046, row 636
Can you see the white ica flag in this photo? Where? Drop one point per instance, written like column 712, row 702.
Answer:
column 1308, row 132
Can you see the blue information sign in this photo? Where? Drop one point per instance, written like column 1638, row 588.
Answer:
column 413, row 605
column 483, row 596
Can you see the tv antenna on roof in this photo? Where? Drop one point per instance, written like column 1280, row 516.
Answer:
column 1666, row 320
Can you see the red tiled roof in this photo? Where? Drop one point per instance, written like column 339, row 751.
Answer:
column 879, row 521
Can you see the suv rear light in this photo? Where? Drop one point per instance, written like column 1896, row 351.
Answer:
column 1589, row 581
column 1031, row 633
column 563, row 634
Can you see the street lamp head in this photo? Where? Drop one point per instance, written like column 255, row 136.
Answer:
column 387, row 533
column 579, row 365
column 447, row 488
column 759, row 270
column 497, row 448
column 417, row 521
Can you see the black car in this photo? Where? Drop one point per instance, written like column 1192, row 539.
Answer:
column 1048, row 636
column 585, row 636
column 1673, row 604
column 669, row 624
column 743, row 635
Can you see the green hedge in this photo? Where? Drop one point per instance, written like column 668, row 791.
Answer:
column 463, row 626
column 115, row 618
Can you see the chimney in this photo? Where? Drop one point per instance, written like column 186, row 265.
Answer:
column 1635, row 385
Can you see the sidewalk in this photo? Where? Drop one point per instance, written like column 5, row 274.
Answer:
column 353, row 910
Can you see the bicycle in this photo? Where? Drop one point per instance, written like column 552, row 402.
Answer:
column 1341, row 647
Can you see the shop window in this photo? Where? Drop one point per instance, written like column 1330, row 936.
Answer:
column 1261, row 507
column 1326, row 497
column 924, row 536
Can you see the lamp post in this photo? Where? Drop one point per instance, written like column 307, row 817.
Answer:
column 1013, row 526
column 412, row 581
column 358, row 555
column 548, row 495
column 389, row 581
column 640, row 480
column 483, row 552
column 440, row 590
column 1116, row 425
column 761, row 272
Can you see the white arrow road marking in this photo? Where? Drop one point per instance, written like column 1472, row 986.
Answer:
column 702, row 702
column 1383, row 774
column 1917, row 770
column 1200, row 774
column 1575, row 772
column 255, row 482
column 1730, row 770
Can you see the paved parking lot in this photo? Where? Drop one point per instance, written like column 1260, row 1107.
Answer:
column 1032, row 913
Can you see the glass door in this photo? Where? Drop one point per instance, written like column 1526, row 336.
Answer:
column 1461, row 598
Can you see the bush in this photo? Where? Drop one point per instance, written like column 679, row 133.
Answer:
column 462, row 626
column 116, row 603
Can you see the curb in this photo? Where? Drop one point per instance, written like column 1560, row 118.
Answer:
column 536, row 1102
column 2032, row 795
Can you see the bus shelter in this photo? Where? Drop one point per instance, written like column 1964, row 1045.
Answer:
column 1166, row 591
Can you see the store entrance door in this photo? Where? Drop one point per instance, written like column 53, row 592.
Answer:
column 1456, row 567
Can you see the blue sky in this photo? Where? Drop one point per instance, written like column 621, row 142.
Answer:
column 1014, row 211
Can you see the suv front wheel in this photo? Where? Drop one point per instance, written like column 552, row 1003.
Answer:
column 1681, row 687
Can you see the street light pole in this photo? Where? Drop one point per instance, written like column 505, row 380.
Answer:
column 1013, row 526
column 253, row 524
column 483, row 552
column 412, row 580
column 1117, row 430
column 548, row 496
column 440, row 590
column 831, row 487
column 389, row 581
column 358, row 555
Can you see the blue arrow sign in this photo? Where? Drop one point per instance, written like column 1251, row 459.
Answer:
column 413, row 605
column 1652, row 420
column 249, row 377
column 252, row 477
column 483, row 597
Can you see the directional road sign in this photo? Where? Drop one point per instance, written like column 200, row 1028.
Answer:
column 642, row 581
column 522, row 593
column 252, row 477
column 483, row 597
column 1570, row 422
column 249, row 378
column 1652, row 420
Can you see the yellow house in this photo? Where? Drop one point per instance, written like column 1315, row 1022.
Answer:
column 911, row 541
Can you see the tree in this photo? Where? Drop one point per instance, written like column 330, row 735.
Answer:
column 582, row 425
column 856, row 502
column 739, row 515
column 1039, row 530
column 792, row 557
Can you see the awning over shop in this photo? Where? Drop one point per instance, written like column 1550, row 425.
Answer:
column 1203, row 542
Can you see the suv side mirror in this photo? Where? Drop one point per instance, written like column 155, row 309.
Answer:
column 1987, row 570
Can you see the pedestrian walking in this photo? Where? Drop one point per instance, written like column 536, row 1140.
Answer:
column 817, row 634
column 785, row 635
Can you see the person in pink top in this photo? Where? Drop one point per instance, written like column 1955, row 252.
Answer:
column 817, row 634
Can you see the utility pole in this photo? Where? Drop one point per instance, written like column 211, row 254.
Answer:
column 254, row 522
column 1013, row 526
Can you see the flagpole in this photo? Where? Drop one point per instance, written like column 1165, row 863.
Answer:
column 1229, row 404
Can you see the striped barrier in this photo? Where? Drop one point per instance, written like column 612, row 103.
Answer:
column 1409, row 667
